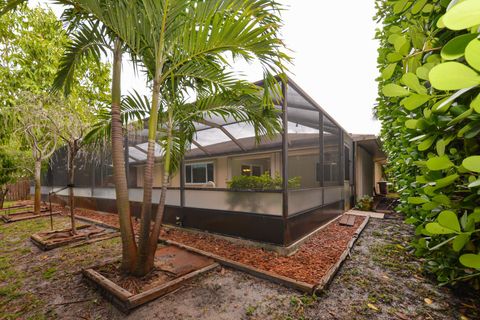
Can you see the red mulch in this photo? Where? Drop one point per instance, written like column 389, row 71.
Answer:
column 110, row 219
column 309, row 264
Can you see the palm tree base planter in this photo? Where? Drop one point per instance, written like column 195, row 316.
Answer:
column 26, row 215
column 85, row 234
column 174, row 267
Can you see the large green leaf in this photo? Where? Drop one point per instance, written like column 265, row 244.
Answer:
column 448, row 180
column 472, row 163
column 442, row 199
column 414, row 101
column 417, row 200
column 453, row 76
column 455, row 48
column 411, row 80
column 388, row 71
column 436, row 228
column 460, row 241
column 439, row 163
column 443, row 105
column 460, row 117
column 472, row 54
column 475, row 105
column 427, row 143
column 463, row 15
column 440, row 146
column 449, row 219
column 418, row 6
column 411, row 124
column 394, row 90
column 470, row 260
column 394, row 57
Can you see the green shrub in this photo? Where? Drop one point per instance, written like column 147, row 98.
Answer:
column 365, row 203
column 429, row 106
column 263, row 182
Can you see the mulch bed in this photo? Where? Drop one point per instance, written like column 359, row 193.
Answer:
column 309, row 264
column 107, row 218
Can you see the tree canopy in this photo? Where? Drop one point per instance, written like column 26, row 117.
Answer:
column 32, row 42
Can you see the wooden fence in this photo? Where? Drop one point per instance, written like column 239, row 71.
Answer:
column 19, row 191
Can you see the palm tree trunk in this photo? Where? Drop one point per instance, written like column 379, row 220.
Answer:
column 71, row 180
column 38, row 186
column 129, row 247
column 142, row 267
column 153, row 240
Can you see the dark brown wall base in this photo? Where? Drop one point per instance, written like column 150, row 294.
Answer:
column 257, row 227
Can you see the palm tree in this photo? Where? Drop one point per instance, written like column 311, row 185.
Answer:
column 190, row 39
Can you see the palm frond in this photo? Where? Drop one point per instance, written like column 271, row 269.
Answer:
column 86, row 43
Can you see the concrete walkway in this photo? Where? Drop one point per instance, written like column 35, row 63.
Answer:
column 370, row 214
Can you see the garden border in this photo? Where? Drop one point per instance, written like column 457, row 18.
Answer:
column 126, row 301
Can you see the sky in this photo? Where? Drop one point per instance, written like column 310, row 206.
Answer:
column 334, row 58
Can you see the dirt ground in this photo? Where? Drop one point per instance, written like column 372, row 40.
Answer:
column 379, row 281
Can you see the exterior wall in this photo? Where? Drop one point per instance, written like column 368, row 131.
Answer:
column 378, row 175
column 364, row 170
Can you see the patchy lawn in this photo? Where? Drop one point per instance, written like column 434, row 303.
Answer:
column 379, row 281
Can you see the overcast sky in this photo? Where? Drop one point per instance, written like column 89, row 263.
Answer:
column 334, row 58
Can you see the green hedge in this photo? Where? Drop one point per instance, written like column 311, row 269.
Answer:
column 429, row 106
column 263, row 182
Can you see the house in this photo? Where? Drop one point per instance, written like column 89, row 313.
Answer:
column 330, row 168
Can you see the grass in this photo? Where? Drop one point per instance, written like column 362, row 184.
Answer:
column 24, row 269
column 49, row 273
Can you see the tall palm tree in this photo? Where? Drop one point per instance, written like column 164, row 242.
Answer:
column 190, row 39
column 90, row 38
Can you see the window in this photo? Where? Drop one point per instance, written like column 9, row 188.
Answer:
column 251, row 170
column 199, row 173
column 347, row 163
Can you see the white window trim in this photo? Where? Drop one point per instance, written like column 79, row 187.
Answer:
column 206, row 173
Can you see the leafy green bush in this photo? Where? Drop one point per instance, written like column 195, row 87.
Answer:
column 429, row 105
column 365, row 203
column 263, row 182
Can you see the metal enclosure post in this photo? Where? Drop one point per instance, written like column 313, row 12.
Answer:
column 320, row 174
column 285, row 163
column 182, row 183
column 342, row 159
column 92, row 190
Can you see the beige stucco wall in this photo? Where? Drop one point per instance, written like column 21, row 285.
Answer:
column 364, row 173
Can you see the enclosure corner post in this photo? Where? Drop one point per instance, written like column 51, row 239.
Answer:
column 285, row 163
column 182, row 183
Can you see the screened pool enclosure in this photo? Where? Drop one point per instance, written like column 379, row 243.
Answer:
column 310, row 163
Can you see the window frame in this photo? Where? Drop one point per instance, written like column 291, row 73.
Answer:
column 251, row 169
column 205, row 163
